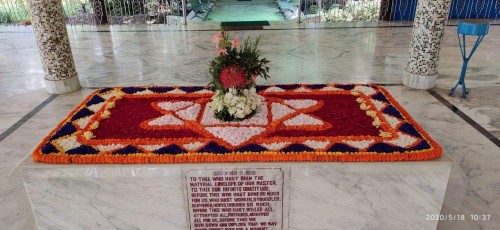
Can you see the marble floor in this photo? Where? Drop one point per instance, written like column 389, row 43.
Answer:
column 468, row 129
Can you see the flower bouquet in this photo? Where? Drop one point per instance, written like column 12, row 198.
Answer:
column 234, row 71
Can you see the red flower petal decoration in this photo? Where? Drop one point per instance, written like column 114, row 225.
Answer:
column 233, row 77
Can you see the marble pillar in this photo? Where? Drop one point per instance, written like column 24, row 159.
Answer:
column 53, row 45
column 428, row 30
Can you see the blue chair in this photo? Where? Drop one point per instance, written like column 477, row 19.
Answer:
column 471, row 28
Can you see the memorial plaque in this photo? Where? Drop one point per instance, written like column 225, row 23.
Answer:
column 235, row 199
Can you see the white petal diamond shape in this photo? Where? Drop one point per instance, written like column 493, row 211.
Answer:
column 235, row 135
column 275, row 145
column 166, row 120
column 68, row 143
column 176, row 91
column 279, row 111
column 144, row 92
column 360, row 144
column 302, row 119
column 317, row 144
column 190, row 113
column 404, row 140
column 302, row 89
column 365, row 90
column 95, row 107
column 330, row 88
column 193, row 146
column 152, row 148
column 393, row 121
column 301, row 104
column 111, row 147
column 378, row 104
column 208, row 117
column 259, row 118
column 203, row 91
column 274, row 89
column 174, row 106
column 84, row 121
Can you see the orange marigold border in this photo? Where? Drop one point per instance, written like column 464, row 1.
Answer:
column 266, row 156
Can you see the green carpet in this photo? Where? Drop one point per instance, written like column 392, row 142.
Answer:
column 245, row 23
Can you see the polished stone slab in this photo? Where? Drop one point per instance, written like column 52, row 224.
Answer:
column 388, row 195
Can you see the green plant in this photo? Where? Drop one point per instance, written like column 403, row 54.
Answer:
column 5, row 17
column 360, row 10
column 313, row 9
column 72, row 8
column 121, row 7
column 14, row 11
column 229, row 53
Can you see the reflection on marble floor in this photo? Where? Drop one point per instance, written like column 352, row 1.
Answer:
column 153, row 55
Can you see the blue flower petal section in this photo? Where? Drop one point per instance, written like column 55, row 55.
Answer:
column 103, row 90
column 94, row 100
column 346, row 87
column 297, row 148
column 342, row 148
column 409, row 129
column 380, row 96
column 128, row 150
column 421, row 146
column 316, row 86
column 66, row 129
column 171, row 149
column 82, row 150
column 288, row 87
column 161, row 89
column 385, row 148
column 191, row 89
column 49, row 148
column 81, row 113
column 213, row 147
column 132, row 90
column 252, row 148
column 391, row 110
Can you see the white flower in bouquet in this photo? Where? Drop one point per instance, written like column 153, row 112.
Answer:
column 238, row 102
column 217, row 104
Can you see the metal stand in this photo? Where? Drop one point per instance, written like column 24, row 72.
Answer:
column 479, row 29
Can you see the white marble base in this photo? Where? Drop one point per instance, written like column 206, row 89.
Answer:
column 62, row 86
column 317, row 195
column 417, row 81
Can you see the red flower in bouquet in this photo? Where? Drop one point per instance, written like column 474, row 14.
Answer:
column 233, row 77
